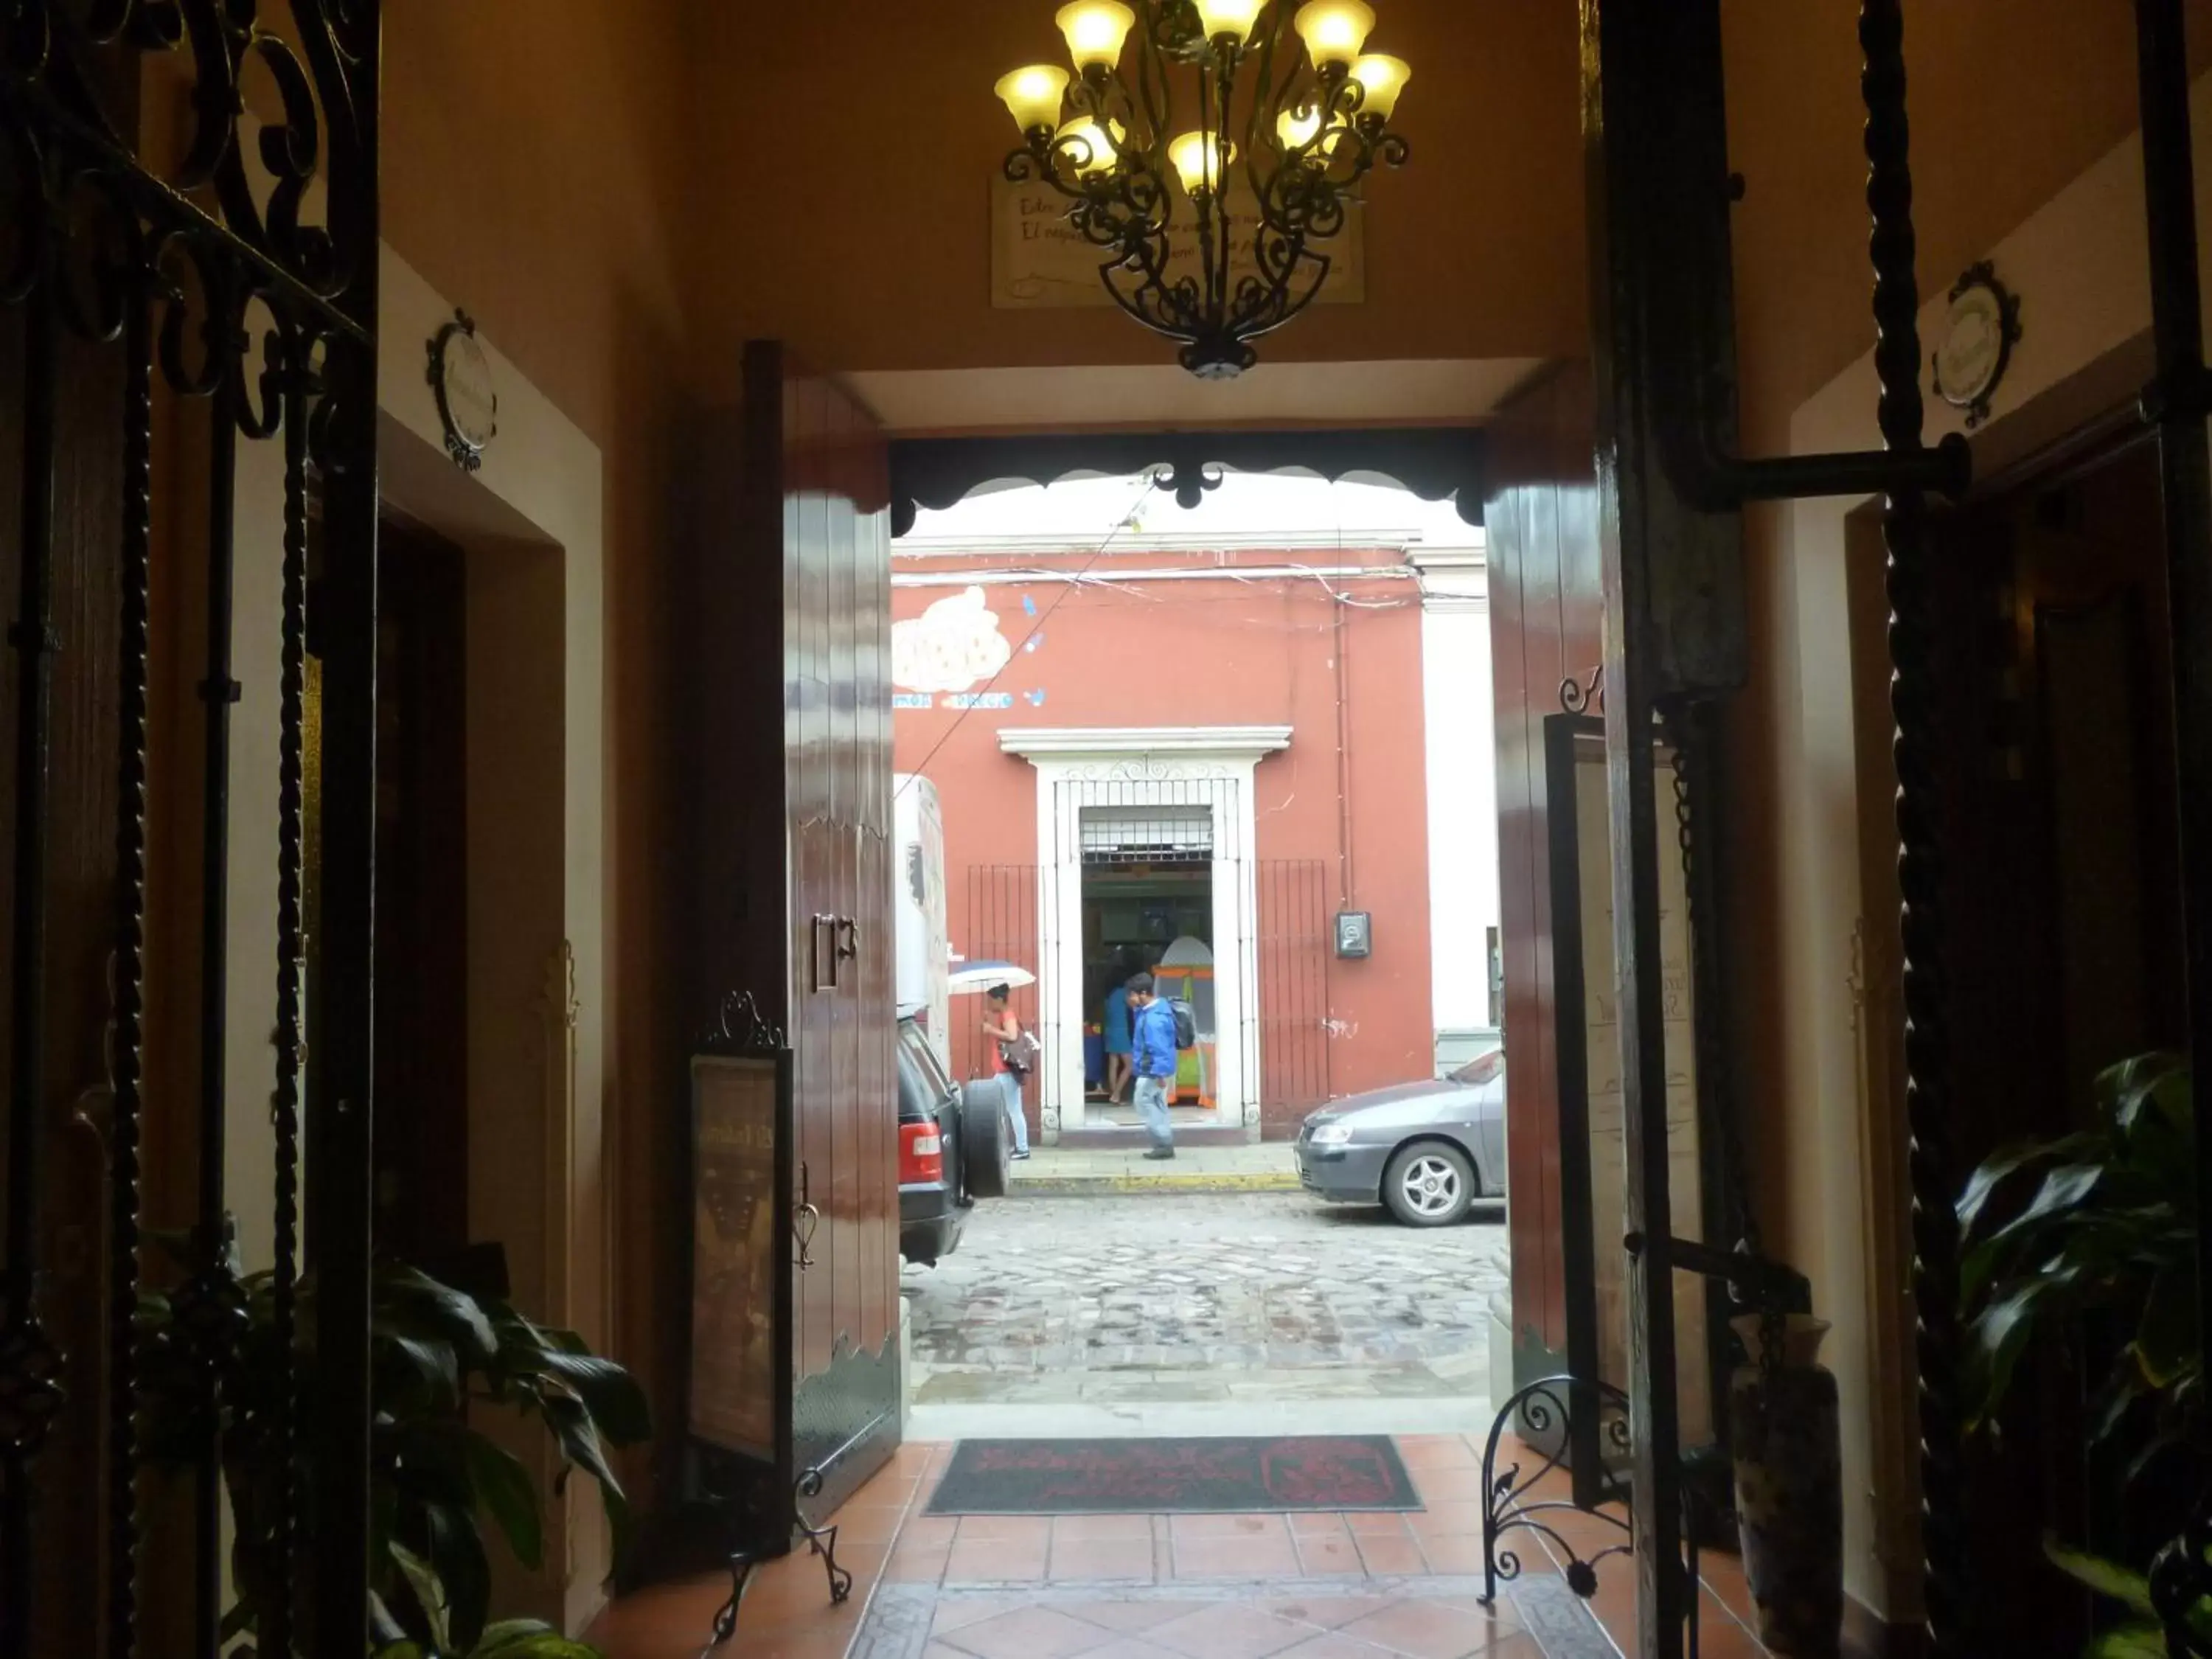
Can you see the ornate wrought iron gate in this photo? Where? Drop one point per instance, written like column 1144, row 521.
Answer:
column 1656, row 130
column 226, row 284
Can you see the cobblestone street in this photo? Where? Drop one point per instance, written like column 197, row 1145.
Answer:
column 1228, row 1301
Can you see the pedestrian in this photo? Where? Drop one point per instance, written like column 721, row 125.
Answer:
column 1115, row 1024
column 1011, row 1051
column 1152, row 1044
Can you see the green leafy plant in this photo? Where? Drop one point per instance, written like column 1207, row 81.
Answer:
column 440, row 1359
column 511, row 1638
column 2109, row 1228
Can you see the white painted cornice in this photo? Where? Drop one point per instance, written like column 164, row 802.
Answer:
column 1057, row 742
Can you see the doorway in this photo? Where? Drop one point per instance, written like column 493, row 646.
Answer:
column 2058, row 818
column 422, row 909
column 1147, row 896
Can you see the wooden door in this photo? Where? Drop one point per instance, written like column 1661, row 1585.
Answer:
column 1546, row 616
column 789, row 801
column 422, row 911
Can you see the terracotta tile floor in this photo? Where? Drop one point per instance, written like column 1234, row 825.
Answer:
column 1309, row 1586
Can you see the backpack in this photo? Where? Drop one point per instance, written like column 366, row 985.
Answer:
column 1186, row 1024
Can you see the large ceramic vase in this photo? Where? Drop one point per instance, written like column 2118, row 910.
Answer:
column 1786, row 1443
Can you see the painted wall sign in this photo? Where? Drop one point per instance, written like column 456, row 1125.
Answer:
column 953, row 646
column 980, row 700
column 1038, row 261
column 912, row 699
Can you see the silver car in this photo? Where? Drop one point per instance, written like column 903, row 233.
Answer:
column 1426, row 1149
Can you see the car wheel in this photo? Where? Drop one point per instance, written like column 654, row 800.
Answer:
column 985, row 1155
column 1428, row 1184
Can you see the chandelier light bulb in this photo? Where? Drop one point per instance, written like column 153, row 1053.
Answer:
column 1095, row 31
column 1033, row 95
column 1297, row 131
column 1334, row 31
column 1085, row 136
column 1201, row 160
column 1382, row 78
column 1217, row 18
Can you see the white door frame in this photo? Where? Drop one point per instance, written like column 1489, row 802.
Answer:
column 1185, row 766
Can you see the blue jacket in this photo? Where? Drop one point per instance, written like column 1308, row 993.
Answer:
column 1154, row 1046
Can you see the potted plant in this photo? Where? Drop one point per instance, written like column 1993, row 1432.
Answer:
column 2101, row 1223
column 439, row 1355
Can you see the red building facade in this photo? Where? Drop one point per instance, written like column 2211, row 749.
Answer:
column 1214, row 757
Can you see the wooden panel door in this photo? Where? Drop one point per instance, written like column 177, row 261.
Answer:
column 1547, row 615
column 790, row 810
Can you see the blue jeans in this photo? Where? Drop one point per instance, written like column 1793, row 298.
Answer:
column 1010, row 1086
column 1152, row 1107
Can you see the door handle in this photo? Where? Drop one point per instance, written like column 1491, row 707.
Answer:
column 804, row 1221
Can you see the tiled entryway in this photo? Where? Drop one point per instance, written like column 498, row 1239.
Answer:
column 1309, row 1586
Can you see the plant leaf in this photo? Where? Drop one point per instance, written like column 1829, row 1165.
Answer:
column 2166, row 1341
column 505, row 1488
column 618, row 1404
column 456, row 1548
column 2001, row 1166
column 423, row 1582
column 572, row 1426
column 2107, row 1578
column 2129, row 1642
column 548, row 1645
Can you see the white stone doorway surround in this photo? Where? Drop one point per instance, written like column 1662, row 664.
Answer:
column 1173, row 766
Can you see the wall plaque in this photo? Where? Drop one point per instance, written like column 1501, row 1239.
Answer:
column 1039, row 261
column 741, row 1264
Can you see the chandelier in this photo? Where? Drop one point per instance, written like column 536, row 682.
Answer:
column 1297, row 131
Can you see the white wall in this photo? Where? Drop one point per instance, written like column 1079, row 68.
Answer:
column 1462, row 785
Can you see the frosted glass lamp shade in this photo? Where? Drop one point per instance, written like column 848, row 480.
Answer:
column 1334, row 30
column 1382, row 78
column 1034, row 94
column 1232, row 17
column 1084, row 137
column 1095, row 31
column 1201, row 160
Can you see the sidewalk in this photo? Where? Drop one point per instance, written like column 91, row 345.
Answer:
column 1267, row 1167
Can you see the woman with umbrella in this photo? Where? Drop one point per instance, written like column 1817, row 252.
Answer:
column 1013, row 1050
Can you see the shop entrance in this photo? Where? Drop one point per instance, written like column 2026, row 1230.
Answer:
column 1146, row 908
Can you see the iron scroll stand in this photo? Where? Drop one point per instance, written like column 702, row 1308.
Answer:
column 763, row 1495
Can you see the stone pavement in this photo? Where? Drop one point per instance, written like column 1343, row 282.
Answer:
column 1265, row 1166
column 1180, row 1314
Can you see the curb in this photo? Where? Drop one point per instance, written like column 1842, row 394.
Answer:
column 1196, row 1182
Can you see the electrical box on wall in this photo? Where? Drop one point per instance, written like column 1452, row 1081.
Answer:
column 1355, row 933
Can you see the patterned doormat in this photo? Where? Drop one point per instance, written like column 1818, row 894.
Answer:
column 1376, row 1618
column 1260, row 1475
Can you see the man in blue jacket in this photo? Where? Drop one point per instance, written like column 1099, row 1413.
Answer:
column 1152, row 1055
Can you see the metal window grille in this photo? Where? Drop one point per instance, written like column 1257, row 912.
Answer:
column 1146, row 834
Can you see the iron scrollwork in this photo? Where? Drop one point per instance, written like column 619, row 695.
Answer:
column 243, row 276
column 822, row 1540
column 1510, row 1502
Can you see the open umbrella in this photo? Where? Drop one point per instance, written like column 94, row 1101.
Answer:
column 974, row 978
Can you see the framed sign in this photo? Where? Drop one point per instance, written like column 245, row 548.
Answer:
column 1593, row 1126
column 740, row 1268
column 1039, row 260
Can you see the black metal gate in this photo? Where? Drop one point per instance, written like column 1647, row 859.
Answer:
column 230, row 295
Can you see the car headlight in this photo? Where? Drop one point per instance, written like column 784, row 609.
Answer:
column 1332, row 1134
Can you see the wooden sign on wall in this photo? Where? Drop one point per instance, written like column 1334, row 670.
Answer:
column 1039, row 260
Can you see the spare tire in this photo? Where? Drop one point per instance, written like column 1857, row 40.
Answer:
column 985, row 1154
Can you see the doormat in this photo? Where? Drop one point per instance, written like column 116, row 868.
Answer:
column 1259, row 1475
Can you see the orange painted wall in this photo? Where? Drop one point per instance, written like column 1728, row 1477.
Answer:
column 1257, row 651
